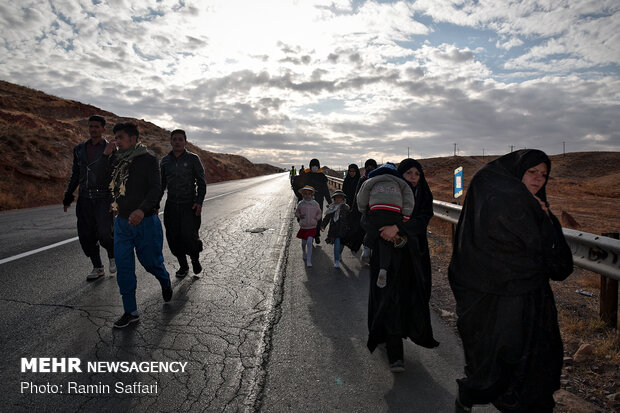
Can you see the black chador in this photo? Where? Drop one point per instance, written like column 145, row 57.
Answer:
column 506, row 250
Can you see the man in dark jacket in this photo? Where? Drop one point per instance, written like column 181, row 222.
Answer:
column 184, row 176
column 317, row 179
column 136, row 189
column 94, row 219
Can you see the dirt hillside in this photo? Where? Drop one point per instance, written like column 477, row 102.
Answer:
column 583, row 185
column 37, row 135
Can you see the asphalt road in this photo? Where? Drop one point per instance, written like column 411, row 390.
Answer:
column 215, row 322
column 259, row 331
column 319, row 361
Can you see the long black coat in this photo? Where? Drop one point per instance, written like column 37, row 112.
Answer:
column 402, row 307
column 349, row 187
column 356, row 238
column 506, row 250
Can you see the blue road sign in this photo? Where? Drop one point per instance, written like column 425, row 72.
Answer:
column 458, row 182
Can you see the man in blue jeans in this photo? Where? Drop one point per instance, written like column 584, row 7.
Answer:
column 136, row 188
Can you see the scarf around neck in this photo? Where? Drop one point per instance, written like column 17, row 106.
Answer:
column 120, row 174
column 335, row 208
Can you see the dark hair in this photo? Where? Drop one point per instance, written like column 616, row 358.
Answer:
column 179, row 131
column 97, row 118
column 130, row 129
column 370, row 162
column 315, row 162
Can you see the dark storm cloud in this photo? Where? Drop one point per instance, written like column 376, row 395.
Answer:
column 195, row 43
column 455, row 56
column 271, row 103
column 525, row 117
column 245, row 80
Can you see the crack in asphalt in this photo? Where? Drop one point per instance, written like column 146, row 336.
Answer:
column 220, row 323
column 255, row 397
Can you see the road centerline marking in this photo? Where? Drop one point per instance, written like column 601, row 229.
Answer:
column 60, row 243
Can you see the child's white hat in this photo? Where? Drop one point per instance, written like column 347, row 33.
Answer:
column 339, row 193
column 307, row 188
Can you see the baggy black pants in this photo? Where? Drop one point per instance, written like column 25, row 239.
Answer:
column 95, row 225
column 182, row 227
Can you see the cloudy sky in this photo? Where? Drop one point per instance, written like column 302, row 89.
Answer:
column 282, row 81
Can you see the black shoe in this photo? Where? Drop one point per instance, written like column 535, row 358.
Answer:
column 126, row 319
column 182, row 272
column 317, row 240
column 166, row 292
column 196, row 265
column 460, row 408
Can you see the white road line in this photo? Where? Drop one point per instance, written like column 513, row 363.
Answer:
column 58, row 244
column 25, row 254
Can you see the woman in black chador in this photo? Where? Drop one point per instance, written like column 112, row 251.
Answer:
column 507, row 247
column 401, row 309
column 350, row 184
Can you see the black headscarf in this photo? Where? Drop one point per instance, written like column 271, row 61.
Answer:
column 515, row 164
column 350, row 183
column 423, row 199
column 505, row 243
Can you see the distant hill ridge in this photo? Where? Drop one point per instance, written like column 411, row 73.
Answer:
column 37, row 135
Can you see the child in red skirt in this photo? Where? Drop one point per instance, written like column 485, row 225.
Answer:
column 308, row 214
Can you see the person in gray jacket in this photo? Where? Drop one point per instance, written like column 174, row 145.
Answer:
column 183, row 175
column 385, row 199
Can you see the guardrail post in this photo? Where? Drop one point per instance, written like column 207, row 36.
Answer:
column 609, row 295
column 453, row 226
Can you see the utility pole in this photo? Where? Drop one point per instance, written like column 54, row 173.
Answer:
column 482, row 153
column 407, row 151
column 455, row 149
column 563, row 148
column 511, row 147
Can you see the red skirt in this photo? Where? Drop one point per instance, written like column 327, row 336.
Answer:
column 304, row 233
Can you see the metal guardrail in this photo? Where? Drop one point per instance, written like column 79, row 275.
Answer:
column 590, row 251
column 595, row 252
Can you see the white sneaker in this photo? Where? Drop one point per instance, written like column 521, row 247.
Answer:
column 382, row 278
column 397, row 367
column 366, row 256
column 112, row 266
column 95, row 273
column 336, row 265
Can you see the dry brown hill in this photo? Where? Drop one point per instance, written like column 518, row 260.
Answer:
column 583, row 185
column 38, row 132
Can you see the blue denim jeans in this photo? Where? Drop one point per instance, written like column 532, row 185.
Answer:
column 147, row 239
column 338, row 248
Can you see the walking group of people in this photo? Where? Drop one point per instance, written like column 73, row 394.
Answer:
column 121, row 185
column 507, row 246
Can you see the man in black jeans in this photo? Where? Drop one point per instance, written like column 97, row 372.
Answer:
column 184, row 176
column 94, row 219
